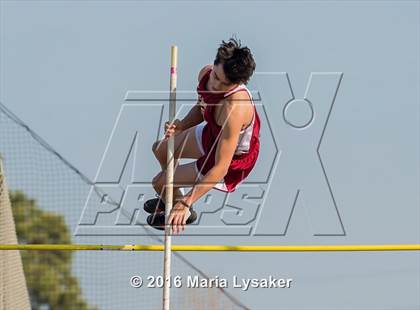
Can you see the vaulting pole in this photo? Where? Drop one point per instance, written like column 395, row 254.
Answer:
column 169, row 180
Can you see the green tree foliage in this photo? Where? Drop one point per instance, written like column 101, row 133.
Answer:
column 48, row 274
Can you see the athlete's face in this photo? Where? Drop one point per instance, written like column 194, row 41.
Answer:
column 218, row 80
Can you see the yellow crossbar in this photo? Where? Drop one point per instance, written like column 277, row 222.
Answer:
column 213, row 248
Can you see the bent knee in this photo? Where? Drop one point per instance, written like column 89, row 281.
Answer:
column 158, row 147
column 155, row 146
column 159, row 180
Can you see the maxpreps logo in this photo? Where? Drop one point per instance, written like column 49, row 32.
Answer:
column 289, row 174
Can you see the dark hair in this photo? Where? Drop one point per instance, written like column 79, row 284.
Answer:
column 238, row 63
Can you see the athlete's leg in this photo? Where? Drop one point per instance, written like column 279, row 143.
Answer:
column 187, row 144
column 184, row 176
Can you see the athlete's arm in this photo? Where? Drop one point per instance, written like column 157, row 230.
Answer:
column 225, row 150
column 229, row 136
column 195, row 116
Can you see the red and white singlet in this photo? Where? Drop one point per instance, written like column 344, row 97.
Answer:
column 247, row 150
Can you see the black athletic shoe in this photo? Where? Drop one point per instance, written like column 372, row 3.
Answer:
column 154, row 205
column 157, row 220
